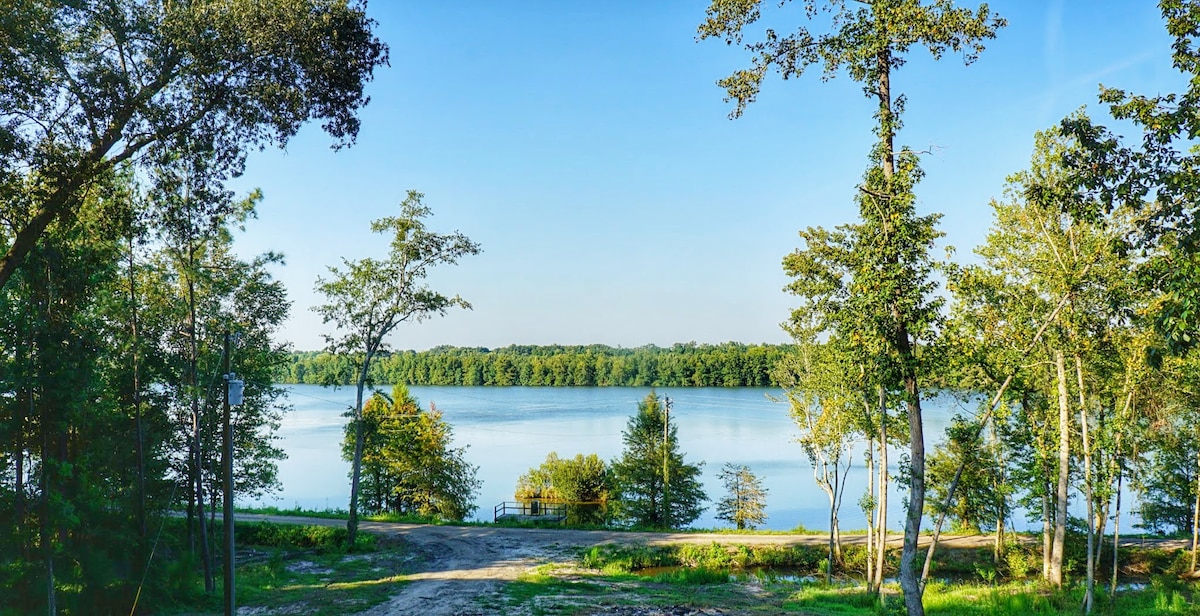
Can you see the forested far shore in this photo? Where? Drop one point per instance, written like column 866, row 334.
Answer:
column 729, row 364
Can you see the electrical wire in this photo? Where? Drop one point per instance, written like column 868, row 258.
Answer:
column 153, row 549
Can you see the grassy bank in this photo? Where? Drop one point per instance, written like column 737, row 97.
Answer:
column 305, row 569
column 772, row 579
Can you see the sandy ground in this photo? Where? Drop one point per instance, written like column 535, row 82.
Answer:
column 456, row 566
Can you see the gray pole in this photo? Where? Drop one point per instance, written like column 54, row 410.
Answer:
column 227, row 463
column 666, row 455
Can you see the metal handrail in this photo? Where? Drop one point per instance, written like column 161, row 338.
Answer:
column 531, row 508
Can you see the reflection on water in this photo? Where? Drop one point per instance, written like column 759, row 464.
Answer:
column 509, row 430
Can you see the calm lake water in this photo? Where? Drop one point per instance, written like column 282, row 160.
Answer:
column 508, row 430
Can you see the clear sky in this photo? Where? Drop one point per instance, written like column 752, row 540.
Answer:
column 586, row 146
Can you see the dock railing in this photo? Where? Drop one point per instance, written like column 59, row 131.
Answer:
column 533, row 509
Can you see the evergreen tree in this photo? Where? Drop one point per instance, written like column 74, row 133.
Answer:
column 744, row 504
column 643, row 494
column 408, row 465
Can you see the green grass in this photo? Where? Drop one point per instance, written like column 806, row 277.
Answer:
column 612, row 559
column 820, row 600
column 699, row 575
column 688, row 576
column 305, row 569
column 326, row 585
column 319, row 538
column 341, row 514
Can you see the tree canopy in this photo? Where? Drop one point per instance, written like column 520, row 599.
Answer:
column 408, row 464
column 90, row 85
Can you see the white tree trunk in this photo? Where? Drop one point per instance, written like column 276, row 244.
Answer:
column 1064, row 468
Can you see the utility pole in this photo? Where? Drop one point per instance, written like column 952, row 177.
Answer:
column 227, row 464
column 666, row 457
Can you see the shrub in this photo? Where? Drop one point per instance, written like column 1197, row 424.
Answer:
column 320, row 538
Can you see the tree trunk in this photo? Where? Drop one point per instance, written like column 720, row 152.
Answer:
column 1196, row 519
column 197, row 454
column 19, row 499
column 137, row 404
column 1001, row 503
column 1116, row 563
column 910, row 577
column 356, row 466
column 838, row 480
column 870, row 513
column 45, row 538
column 1090, row 590
column 881, row 513
column 1120, row 464
column 1047, row 534
column 832, row 531
column 1064, row 467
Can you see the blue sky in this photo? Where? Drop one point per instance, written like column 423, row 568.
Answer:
column 588, row 149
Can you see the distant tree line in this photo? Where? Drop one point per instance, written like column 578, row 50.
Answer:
column 681, row 365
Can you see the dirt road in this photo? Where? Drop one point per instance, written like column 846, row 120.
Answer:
column 458, row 566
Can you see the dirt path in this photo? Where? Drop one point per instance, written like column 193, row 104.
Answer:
column 456, row 566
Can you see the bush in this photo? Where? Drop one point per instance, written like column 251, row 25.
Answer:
column 613, row 559
column 1020, row 561
column 320, row 538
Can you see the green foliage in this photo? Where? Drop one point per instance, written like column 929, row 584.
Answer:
column 370, row 297
column 744, row 504
column 643, row 496
column 1156, row 177
column 681, row 365
column 228, row 76
column 689, row 576
column 865, row 43
column 582, row 479
column 612, row 558
column 408, row 466
column 1019, row 562
column 319, row 538
column 979, row 498
column 366, row 301
column 1166, row 475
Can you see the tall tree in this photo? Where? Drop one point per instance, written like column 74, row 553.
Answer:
column 409, row 466
column 1157, row 178
column 371, row 297
column 870, row 42
column 652, row 485
column 828, row 400
column 1041, row 258
column 89, row 85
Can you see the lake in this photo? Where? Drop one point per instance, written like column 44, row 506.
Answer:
column 508, row 430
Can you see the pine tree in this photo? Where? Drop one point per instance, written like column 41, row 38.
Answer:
column 745, row 502
column 644, row 496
